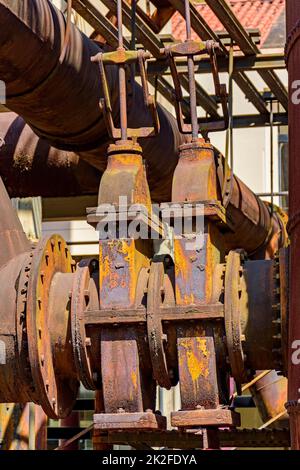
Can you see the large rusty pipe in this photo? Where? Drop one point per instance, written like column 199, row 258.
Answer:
column 258, row 229
column 13, row 240
column 293, row 61
column 29, row 166
column 60, row 101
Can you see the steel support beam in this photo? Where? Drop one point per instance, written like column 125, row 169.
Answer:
column 99, row 22
column 242, row 438
column 102, row 25
column 241, row 64
column 256, row 120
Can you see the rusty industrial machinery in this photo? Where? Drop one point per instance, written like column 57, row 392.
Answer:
column 167, row 301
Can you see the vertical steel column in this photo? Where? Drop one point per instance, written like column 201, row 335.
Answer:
column 191, row 70
column 293, row 61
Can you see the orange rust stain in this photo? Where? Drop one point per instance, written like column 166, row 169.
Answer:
column 182, row 266
column 182, row 273
column 197, row 366
column 132, row 256
column 134, row 378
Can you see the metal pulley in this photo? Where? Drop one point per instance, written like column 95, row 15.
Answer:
column 159, row 294
column 47, row 324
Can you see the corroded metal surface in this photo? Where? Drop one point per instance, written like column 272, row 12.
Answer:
column 233, row 289
column 190, row 49
column 126, row 373
column 13, row 240
column 201, row 286
column 251, row 438
column 270, row 395
column 36, row 353
column 146, row 421
column 261, row 232
column 215, row 417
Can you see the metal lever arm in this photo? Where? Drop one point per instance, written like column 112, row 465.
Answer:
column 121, row 57
column 191, row 48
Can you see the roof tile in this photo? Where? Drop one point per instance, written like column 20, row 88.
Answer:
column 253, row 14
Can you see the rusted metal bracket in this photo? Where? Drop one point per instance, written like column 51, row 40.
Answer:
column 145, row 421
column 219, row 417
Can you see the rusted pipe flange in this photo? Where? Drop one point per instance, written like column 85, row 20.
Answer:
column 56, row 393
column 232, row 314
column 156, row 298
column 79, row 303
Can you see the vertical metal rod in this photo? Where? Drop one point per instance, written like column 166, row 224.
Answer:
column 122, row 76
column 133, row 25
column 133, row 42
column 120, row 23
column 188, row 19
column 271, row 155
column 229, row 136
column 191, row 74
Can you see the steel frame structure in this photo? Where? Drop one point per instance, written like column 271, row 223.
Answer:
column 247, row 56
